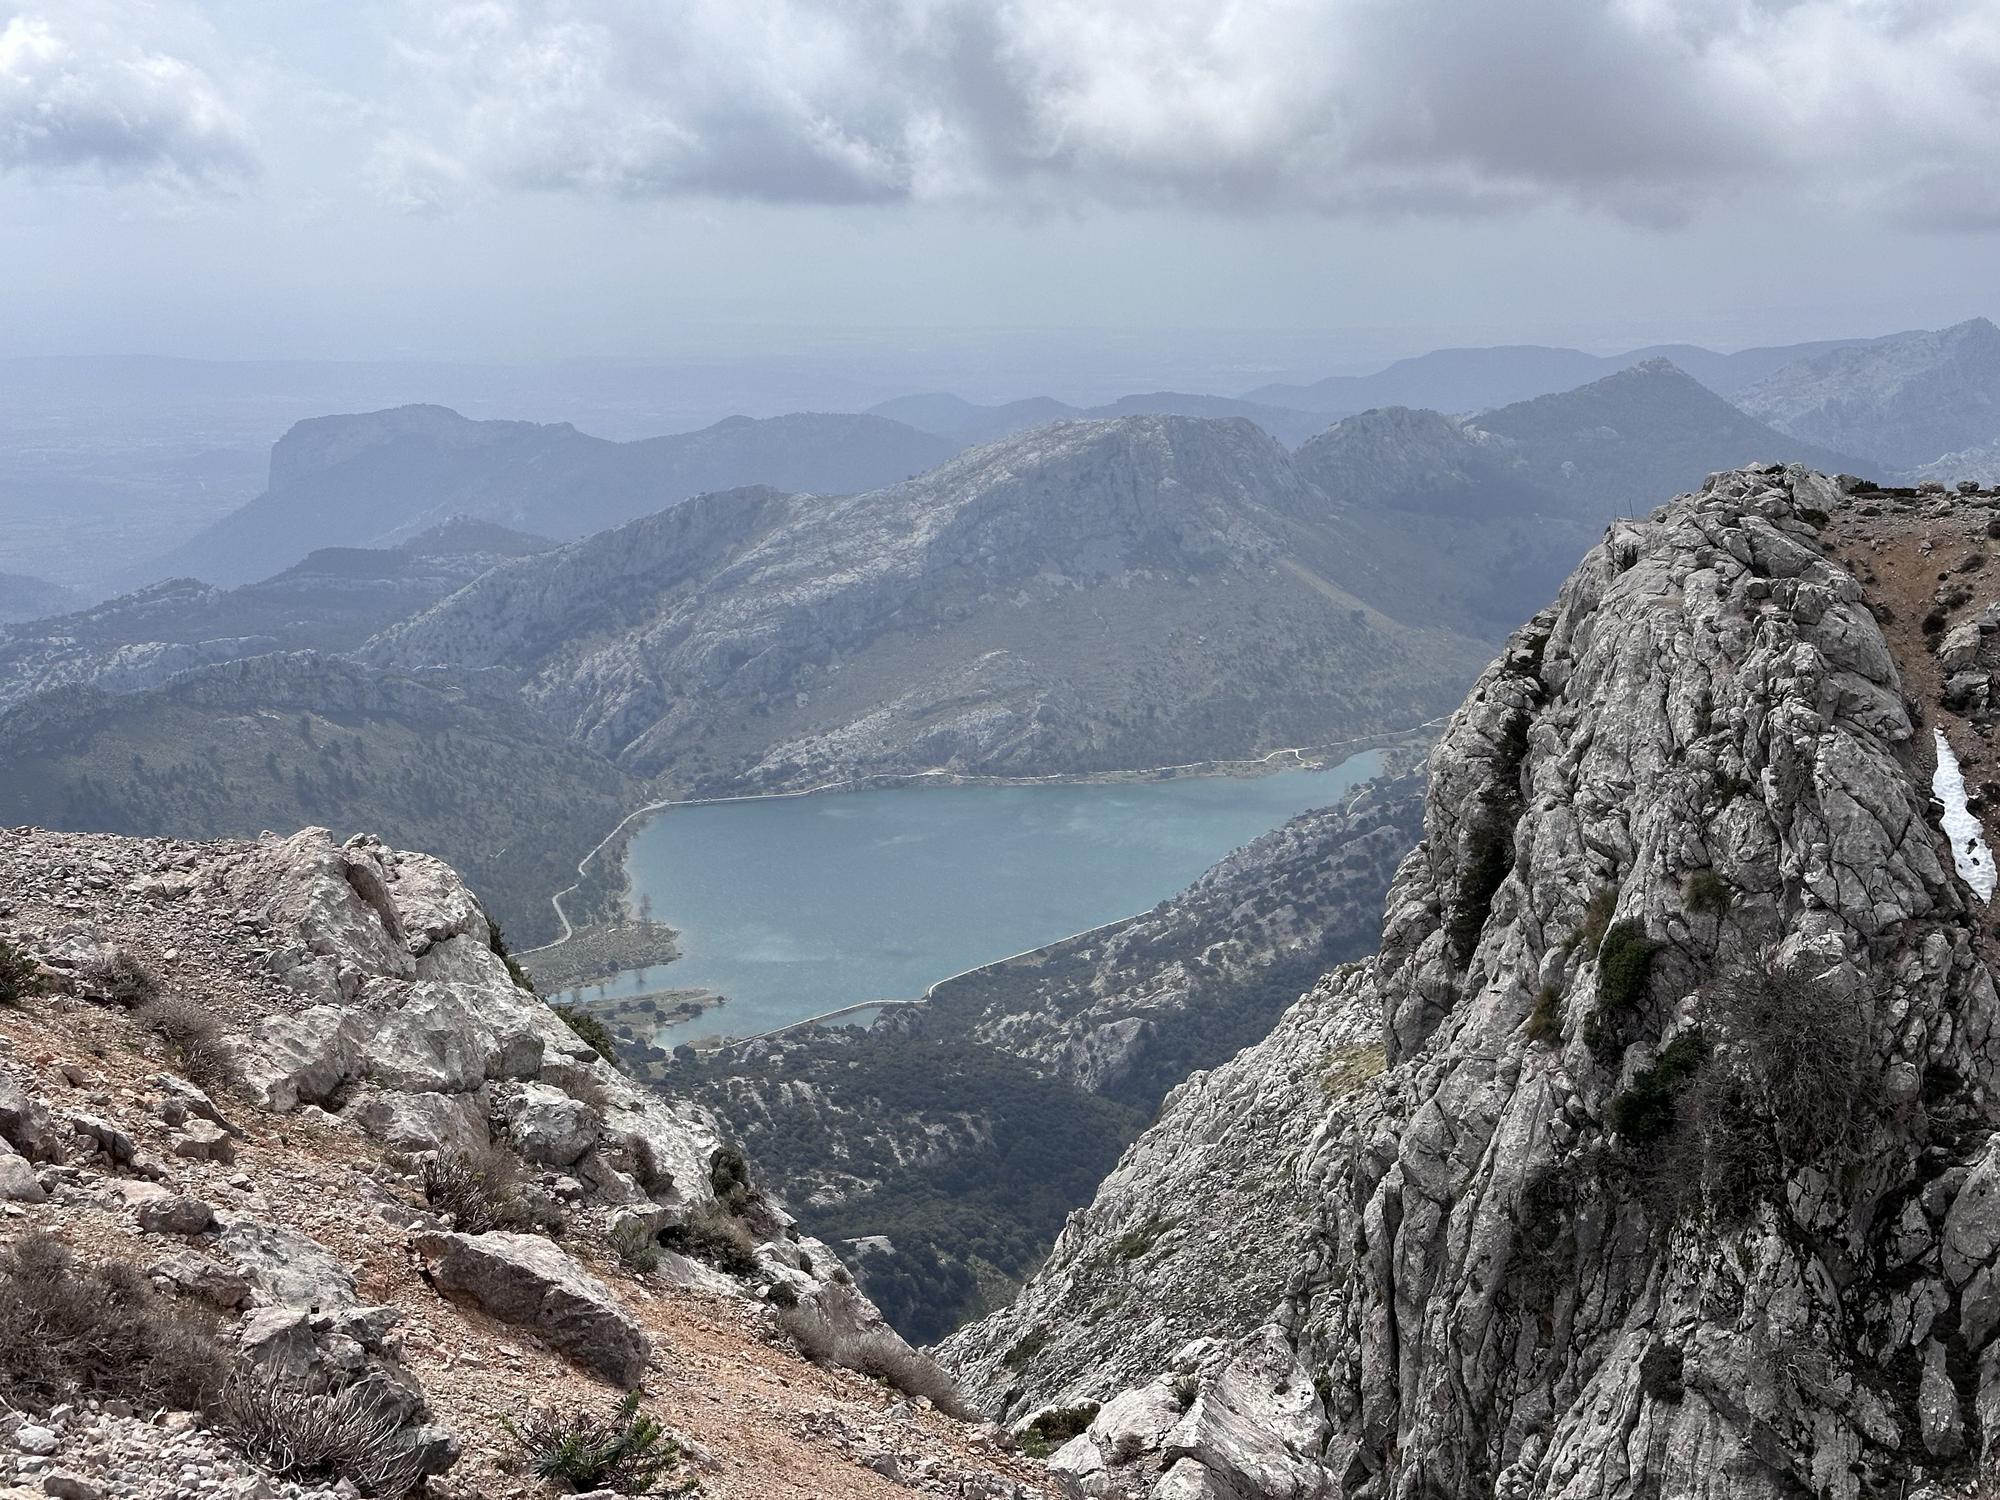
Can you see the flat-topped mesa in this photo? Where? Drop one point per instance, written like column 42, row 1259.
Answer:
column 1680, row 1177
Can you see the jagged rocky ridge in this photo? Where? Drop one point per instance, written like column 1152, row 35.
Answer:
column 1675, row 1172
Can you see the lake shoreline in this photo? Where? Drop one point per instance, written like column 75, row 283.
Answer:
column 1273, row 763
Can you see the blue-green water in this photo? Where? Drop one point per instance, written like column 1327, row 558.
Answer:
column 795, row 906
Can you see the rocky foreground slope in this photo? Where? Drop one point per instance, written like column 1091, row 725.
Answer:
column 284, row 1099
column 1654, row 1153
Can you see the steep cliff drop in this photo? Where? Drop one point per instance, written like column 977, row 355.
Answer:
column 1654, row 1152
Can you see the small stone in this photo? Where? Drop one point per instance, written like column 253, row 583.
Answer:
column 203, row 1140
column 37, row 1440
column 175, row 1216
column 60, row 1486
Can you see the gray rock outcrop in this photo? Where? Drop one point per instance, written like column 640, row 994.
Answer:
column 526, row 1280
column 1678, row 1176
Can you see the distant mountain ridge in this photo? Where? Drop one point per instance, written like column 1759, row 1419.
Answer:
column 23, row 597
column 377, row 478
column 1466, row 380
column 331, row 601
column 1904, row 401
column 1475, row 520
column 965, row 422
column 753, row 639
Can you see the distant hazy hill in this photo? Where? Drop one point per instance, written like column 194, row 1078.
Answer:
column 1902, row 401
column 1465, row 380
column 964, row 422
column 1474, row 521
column 332, row 601
column 1092, row 595
column 26, row 598
column 452, row 764
column 1618, row 444
column 375, row 479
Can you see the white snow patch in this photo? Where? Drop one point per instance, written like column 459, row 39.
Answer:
column 1968, row 839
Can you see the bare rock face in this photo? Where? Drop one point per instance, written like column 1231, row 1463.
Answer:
column 1679, row 1178
column 524, row 1279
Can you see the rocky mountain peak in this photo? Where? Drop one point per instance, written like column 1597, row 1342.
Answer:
column 1657, row 1139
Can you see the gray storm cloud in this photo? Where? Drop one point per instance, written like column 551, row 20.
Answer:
column 1652, row 109
column 77, row 93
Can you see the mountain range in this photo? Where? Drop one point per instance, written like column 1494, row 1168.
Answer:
column 1903, row 401
column 1466, row 380
column 753, row 639
column 375, row 479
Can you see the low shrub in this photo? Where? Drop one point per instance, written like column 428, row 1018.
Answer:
column 594, row 1033
column 19, row 975
column 1483, row 868
column 1134, row 1243
column 1646, row 1111
column 479, row 1192
column 69, row 1328
column 1806, row 1049
column 729, row 1175
column 878, row 1354
column 1589, row 935
column 636, row 1247
column 193, row 1035
column 1051, row 1429
column 1624, row 963
column 497, row 941
column 627, row 1451
column 120, row 975
column 711, row 1234
column 302, row 1430
column 1545, row 1020
column 1707, row 893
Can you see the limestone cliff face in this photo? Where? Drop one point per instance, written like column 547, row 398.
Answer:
column 1680, row 1178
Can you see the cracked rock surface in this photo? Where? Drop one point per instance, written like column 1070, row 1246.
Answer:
column 1676, row 1174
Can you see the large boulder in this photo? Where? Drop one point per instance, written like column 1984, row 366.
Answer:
column 549, row 1126
column 525, row 1280
column 283, row 1267
column 304, row 1058
column 26, row 1125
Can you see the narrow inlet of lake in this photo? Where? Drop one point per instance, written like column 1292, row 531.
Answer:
column 795, row 906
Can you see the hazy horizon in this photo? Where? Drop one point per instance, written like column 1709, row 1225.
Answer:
column 547, row 179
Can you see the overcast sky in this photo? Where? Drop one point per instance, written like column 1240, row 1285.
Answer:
column 457, row 178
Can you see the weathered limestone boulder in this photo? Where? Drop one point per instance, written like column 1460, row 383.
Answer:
column 549, row 1126
column 283, row 1267
column 18, row 1183
column 526, row 1280
column 175, row 1215
column 26, row 1124
column 304, row 1058
column 421, row 1122
column 203, row 1140
column 196, row 1276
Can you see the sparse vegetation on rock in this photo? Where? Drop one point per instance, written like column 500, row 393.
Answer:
column 626, row 1451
